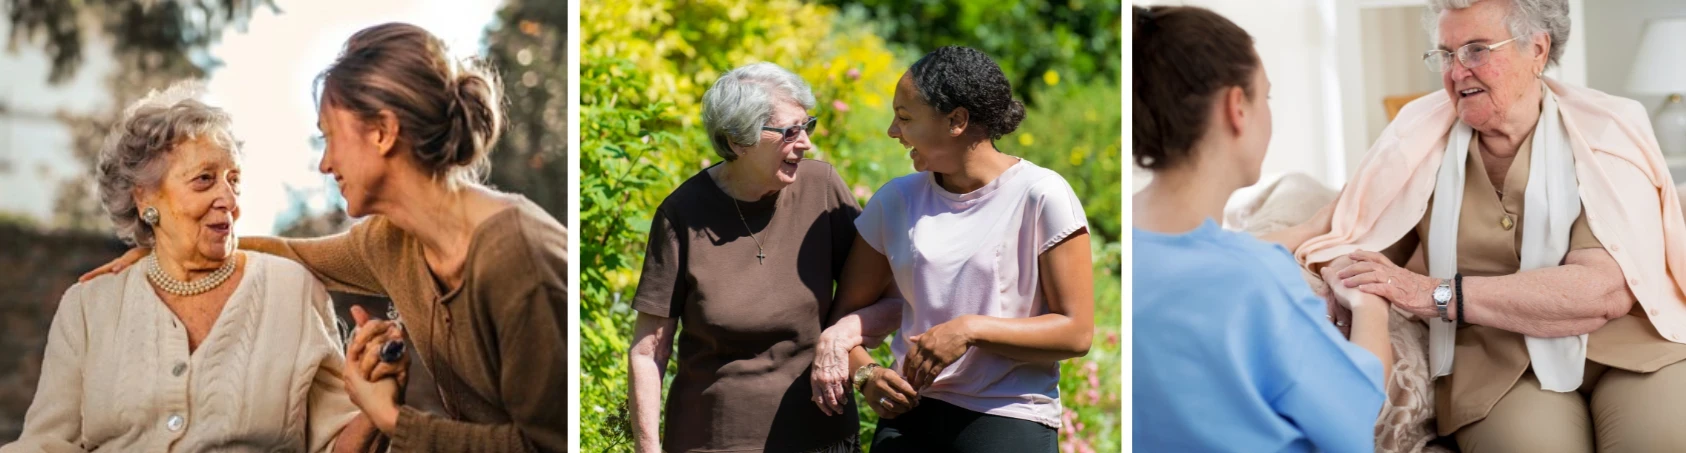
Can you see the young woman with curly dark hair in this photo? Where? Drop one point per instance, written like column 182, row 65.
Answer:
column 990, row 252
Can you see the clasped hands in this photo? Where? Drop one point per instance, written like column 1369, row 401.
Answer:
column 375, row 386
column 1363, row 272
column 888, row 392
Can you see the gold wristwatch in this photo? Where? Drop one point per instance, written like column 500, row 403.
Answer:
column 864, row 373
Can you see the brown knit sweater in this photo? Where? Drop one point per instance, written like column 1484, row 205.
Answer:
column 496, row 345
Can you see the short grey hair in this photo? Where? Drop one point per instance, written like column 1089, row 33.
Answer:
column 135, row 153
column 741, row 102
column 1525, row 18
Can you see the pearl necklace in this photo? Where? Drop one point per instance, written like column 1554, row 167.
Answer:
column 156, row 275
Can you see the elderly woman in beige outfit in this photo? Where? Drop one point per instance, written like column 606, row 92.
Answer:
column 1521, row 218
column 200, row 347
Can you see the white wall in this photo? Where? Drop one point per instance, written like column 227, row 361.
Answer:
column 1289, row 36
column 1394, row 41
column 1612, row 30
column 1354, row 77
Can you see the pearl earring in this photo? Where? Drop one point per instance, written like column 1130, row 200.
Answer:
column 150, row 216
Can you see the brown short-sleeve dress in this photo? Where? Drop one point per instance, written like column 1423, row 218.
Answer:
column 1489, row 360
column 748, row 324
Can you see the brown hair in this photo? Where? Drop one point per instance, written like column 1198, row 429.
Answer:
column 1183, row 57
column 449, row 113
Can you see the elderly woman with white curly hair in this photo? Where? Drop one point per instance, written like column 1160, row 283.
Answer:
column 1533, row 224
column 200, row 347
column 744, row 255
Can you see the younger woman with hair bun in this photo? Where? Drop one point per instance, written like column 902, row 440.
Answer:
column 1232, row 350
column 477, row 276
column 990, row 252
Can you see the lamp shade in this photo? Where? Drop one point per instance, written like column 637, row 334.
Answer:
column 1660, row 65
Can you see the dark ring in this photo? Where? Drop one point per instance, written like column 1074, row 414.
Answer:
column 392, row 351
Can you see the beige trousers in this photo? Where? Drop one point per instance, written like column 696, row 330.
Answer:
column 1615, row 410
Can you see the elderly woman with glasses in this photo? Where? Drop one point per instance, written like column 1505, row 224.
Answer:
column 1530, row 223
column 744, row 255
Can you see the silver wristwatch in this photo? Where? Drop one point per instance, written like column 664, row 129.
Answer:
column 1443, row 296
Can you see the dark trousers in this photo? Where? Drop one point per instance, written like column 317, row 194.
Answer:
column 936, row 426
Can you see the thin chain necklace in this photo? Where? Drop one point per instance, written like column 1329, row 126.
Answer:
column 171, row 285
column 760, row 253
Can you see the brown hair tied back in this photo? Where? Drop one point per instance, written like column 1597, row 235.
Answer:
column 1183, row 56
column 449, row 114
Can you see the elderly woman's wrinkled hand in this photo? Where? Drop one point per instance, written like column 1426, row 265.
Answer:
column 829, row 376
column 1374, row 273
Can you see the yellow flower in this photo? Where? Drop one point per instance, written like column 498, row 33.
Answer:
column 1077, row 155
column 1026, row 140
column 1051, row 77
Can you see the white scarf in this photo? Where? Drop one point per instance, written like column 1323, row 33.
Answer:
column 1552, row 203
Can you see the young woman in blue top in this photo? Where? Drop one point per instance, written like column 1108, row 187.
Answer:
column 1232, row 350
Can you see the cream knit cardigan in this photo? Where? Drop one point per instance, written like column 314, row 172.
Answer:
column 117, row 375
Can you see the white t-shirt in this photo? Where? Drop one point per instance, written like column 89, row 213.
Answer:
column 976, row 253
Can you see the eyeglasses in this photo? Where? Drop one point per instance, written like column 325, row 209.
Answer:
column 1472, row 56
column 791, row 133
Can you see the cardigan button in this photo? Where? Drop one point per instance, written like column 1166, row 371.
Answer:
column 1633, row 281
column 1615, row 247
column 179, row 369
column 175, row 423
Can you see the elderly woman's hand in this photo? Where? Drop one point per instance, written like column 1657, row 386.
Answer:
column 1374, row 273
column 829, row 376
column 129, row 258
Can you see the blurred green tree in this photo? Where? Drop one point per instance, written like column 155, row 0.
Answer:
column 1033, row 40
column 528, row 46
column 155, row 43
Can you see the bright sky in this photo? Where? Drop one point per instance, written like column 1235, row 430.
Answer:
column 265, row 83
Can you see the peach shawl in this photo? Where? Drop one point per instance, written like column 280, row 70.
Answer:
column 1624, row 186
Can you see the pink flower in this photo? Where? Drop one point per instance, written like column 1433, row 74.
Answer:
column 1112, row 338
column 839, row 106
column 853, row 74
column 862, row 192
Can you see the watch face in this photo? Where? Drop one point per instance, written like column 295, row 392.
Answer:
column 1442, row 294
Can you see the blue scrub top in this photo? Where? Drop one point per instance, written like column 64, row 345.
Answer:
column 1233, row 352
